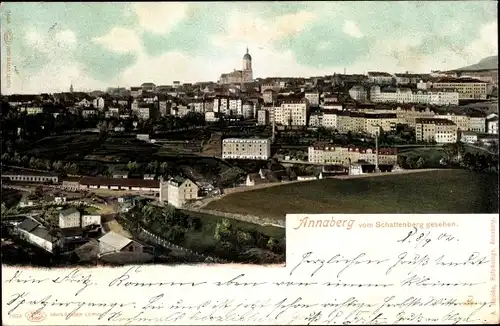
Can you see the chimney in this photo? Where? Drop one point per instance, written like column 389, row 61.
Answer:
column 274, row 127
column 376, row 149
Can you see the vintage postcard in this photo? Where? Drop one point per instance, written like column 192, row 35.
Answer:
column 249, row 163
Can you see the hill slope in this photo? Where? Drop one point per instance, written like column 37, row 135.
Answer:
column 488, row 63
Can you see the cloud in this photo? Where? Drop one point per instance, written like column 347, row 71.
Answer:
column 189, row 68
column 160, row 18
column 487, row 42
column 53, row 43
column 57, row 76
column 352, row 29
column 247, row 27
column 120, row 40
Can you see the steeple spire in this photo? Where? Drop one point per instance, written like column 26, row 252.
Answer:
column 247, row 49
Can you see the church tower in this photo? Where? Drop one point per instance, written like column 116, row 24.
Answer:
column 247, row 68
column 71, row 88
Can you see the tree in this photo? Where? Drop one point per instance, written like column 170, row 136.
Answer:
column 57, row 165
column 272, row 244
column 402, row 162
column 47, row 164
column 244, row 238
column 420, row 163
column 222, row 230
column 5, row 157
column 131, row 166
column 411, row 162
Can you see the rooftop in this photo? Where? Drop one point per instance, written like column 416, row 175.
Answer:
column 119, row 182
column 69, row 211
column 434, row 121
column 115, row 240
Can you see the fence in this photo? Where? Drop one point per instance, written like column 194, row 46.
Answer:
column 166, row 244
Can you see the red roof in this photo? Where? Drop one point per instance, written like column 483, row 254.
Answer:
column 119, row 182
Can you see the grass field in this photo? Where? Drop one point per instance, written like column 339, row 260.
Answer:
column 444, row 191
column 199, row 241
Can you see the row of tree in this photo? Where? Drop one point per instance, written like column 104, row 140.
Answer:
column 39, row 164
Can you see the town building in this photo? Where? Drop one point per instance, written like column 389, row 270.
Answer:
column 477, row 122
column 69, row 218
column 221, row 104
column 89, row 112
column 292, row 113
column 312, row 98
column 235, row 107
column 146, row 112
column 409, row 116
column 135, row 91
column 269, row 96
column 246, row 148
column 141, row 185
column 406, row 95
column 492, row 125
column 462, row 121
column 406, row 78
column 248, row 110
column 72, row 218
column 239, row 76
column 112, row 243
column 180, row 191
column 442, row 131
column 31, row 176
column 263, row 117
column 212, row 116
column 381, row 78
column 99, row 103
column 468, row 89
column 325, row 153
column 36, row 234
column 148, row 87
column 468, row 137
column 358, row 93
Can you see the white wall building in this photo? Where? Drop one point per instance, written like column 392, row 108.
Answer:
column 180, row 190
column 468, row 137
column 358, row 93
column 312, row 98
column 292, row 113
column 493, row 126
column 406, row 95
column 246, row 148
column 98, row 103
column 69, row 218
column 235, row 107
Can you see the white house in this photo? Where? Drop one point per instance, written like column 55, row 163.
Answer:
column 468, row 137
column 492, row 125
column 69, row 218
column 113, row 242
column 98, row 103
column 36, row 234
column 180, row 190
column 88, row 220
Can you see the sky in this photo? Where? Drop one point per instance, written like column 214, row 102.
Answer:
column 98, row 45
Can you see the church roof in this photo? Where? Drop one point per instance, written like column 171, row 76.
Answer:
column 247, row 56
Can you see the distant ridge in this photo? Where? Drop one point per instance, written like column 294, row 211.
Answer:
column 488, row 63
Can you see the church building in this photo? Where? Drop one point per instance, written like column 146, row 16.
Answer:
column 239, row 76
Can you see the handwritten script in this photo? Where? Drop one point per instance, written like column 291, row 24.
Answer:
column 333, row 276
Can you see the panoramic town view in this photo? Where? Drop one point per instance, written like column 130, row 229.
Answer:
column 180, row 137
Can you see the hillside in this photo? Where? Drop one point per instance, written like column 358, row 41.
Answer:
column 488, row 63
